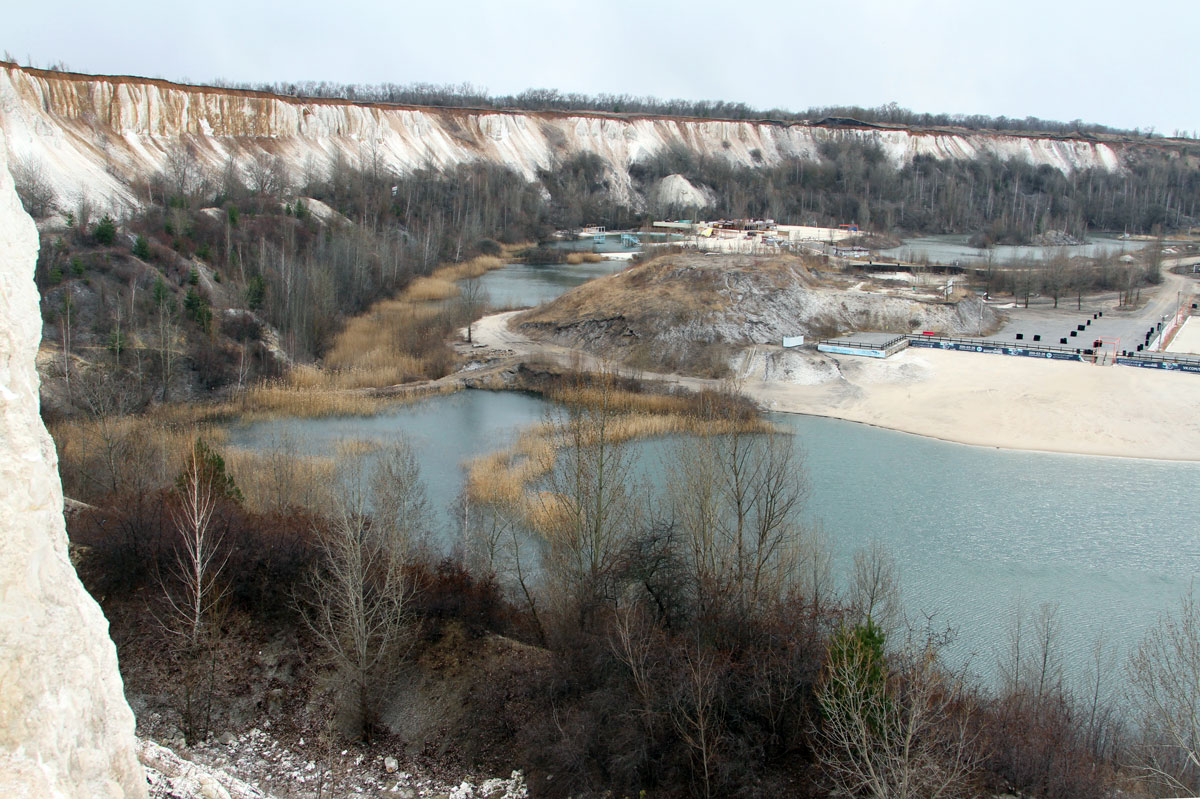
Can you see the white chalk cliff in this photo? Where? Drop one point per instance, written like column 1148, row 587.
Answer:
column 92, row 135
column 65, row 728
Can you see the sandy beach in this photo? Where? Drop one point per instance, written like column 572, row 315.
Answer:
column 984, row 400
column 1009, row 402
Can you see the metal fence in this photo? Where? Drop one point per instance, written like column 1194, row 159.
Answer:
column 862, row 345
column 1161, row 360
column 997, row 347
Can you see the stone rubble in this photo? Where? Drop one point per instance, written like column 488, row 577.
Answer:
column 266, row 767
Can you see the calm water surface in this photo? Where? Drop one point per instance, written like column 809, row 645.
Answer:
column 950, row 248
column 519, row 285
column 973, row 530
column 613, row 242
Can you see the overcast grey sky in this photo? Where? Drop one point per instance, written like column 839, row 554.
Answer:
column 1126, row 64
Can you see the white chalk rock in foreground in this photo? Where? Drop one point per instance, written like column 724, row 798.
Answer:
column 65, row 728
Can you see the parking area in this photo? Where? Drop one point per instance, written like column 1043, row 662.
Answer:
column 1098, row 320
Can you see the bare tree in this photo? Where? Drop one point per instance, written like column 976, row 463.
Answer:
column 400, row 507
column 1045, row 678
column 180, row 172
column 1054, row 276
column 1032, row 667
column 1154, row 256
column 166, row 332
column 68, row 306
column 875, row 588
column 358, row 601
column 498, row 542
column 1080, row 277
column 107, row 397
column 268, row 175
column 472, row 297
column 33, row 187
column 1164, row 676
column 1103, row 733
column 84, row 209
column 589, row 512
column 815, row 568
column 197, row 565
column 893, row 732
column 696, row 713
column 231, row 182
column 287, row 479
column 195, row 602
column 737, row 499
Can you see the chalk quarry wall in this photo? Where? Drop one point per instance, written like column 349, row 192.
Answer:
column 93, row 134
column 65, row 728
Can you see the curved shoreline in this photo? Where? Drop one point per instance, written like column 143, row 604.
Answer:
column 994, row 401
column 1002, row 448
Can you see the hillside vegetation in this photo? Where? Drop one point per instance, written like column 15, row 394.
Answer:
column 73, row 137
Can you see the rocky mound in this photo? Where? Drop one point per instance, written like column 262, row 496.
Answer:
column 693, row 313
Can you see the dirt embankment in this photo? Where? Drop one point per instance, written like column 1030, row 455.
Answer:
column 695, row 314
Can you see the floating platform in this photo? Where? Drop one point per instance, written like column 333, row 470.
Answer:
column 868, row 345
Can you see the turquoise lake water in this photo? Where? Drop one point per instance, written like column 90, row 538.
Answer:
column 974, row 531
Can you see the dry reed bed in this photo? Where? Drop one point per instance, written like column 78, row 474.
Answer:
column 123, row 455
column 280, row 479
column 507, row 478
column 81, row 440
column 400, row 340
column 278, row 398
column 397, row 341
column 577, row 258
column 157, row 441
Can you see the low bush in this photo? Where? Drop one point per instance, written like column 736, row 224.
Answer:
column 543, row 255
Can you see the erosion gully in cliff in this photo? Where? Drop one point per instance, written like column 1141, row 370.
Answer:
column 92, row 135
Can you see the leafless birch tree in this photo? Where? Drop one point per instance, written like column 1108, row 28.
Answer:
column 1165, row 677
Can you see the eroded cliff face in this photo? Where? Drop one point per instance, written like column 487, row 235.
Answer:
column 93, row 135
column 65, row 728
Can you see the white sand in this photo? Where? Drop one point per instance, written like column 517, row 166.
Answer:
column 987, row 400
column 1187, row 340
column 1010, row 402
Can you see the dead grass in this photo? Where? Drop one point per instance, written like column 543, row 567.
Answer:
column 577, row 258
column 476, row 267
column 507, row 478
column 403, row 339
column 620, row 400
column 136, row 454
column 427, row 289
column 502, row 477
column 279, row 479
column 356, row 447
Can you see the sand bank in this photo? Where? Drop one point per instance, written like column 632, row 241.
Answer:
column 1009, row 402
column 985, row 400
